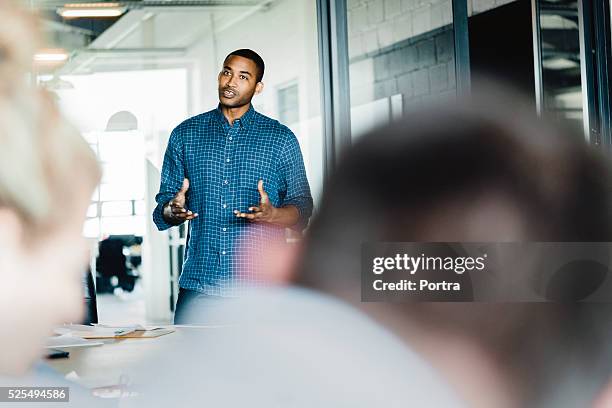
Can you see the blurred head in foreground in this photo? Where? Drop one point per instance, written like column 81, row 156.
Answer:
column 483, row 171
column 47, row 176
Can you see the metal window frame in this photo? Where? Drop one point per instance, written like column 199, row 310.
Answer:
column 462, row 47
column 537, row 55
column 604, row 63
column 334, row 72
column 596, row 58
column 335, row 84
column 595, row 50
column 587, row 72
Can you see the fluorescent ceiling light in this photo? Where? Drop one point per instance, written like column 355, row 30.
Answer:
column 558, row 63
column 91, row 10
column 51, row 56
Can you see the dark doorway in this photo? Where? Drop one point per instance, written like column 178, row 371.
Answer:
column 501, row 45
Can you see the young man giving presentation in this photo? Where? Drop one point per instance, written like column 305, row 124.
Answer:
column 239, row 178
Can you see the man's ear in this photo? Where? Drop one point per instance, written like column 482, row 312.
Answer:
column 259, row 88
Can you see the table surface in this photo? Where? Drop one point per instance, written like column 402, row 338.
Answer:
column 104, row 366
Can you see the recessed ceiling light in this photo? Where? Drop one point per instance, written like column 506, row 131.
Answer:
column 51, row 56
column 91, row 10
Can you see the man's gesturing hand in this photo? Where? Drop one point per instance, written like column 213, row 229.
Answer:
column 175, row 211
column 264, row 212
column 286, row 216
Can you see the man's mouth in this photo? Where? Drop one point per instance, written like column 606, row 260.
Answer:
column 229, row 93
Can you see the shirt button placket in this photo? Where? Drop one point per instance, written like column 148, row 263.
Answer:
column 225, row 191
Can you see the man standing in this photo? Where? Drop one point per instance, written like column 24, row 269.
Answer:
column 239, row 178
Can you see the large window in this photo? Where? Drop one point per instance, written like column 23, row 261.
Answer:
column 118, row 203
column 156, row 99
column 401, row 56
column 559, row 60
column 288, row 104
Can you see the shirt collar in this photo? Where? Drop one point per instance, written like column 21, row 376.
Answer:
column 244, row 121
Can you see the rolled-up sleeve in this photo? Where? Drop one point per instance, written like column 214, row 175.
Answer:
column 293, row 175
column 172, row 175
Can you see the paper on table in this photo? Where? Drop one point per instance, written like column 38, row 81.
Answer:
column 67, row 340
column 139, row 331
column 147, row 334
column 97, row 332
column 129, row 326
column 101, row 331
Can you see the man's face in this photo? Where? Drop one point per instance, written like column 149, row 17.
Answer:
column 238, row 82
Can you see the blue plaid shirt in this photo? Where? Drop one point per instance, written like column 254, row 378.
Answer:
column 223, row 164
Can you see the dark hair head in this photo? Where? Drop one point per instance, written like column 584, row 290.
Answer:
column 394, row 184
column 253, row 56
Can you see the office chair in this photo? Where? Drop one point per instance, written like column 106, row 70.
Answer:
column 91, row 306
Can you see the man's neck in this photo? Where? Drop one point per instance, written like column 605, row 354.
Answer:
column 231, row 114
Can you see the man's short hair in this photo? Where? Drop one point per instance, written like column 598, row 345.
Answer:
column 253, row 56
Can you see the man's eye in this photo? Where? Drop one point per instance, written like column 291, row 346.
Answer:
column 242, row 77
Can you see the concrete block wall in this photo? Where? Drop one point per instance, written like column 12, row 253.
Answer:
column 478, row 6
column 375, row 24
column 422, row 69
column 404, row 46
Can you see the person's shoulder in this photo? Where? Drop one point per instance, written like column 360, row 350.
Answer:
column 195, row 121
column 280, row 132
column 273, row 123
column 190, row 129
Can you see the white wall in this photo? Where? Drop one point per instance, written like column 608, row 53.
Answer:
column 285, row 35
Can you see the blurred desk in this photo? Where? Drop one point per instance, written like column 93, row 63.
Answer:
column 102, row 366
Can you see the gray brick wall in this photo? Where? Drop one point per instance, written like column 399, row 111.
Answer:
column 375, row 24
column 404, row 46
column 422, row 69
column 478, row 6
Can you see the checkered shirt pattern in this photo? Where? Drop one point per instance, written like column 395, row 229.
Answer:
column 223, row 164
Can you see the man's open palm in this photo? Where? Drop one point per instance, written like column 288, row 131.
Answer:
column 264, row 212
column 175, row 209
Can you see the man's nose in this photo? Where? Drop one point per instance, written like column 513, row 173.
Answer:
column 231, row 81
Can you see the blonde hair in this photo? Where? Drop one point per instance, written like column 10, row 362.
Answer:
column 42, row 158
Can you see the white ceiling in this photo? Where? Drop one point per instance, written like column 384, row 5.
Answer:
column 150, row 33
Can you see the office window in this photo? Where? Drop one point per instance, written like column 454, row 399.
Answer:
column 560, row 60
column 117, row 203
column 288, row 104
column 117, row 208
column 401, row 56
